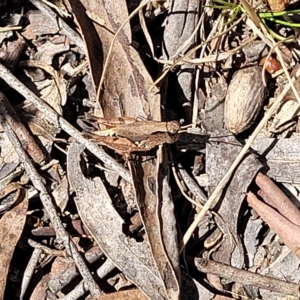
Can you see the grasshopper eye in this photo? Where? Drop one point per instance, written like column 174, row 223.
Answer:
column 173, row 127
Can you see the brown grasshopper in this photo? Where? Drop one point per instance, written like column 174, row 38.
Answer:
column 127, row 135
column 134, row 129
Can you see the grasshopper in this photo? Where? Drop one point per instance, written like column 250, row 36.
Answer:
column 127, row 135
column 135, row 130
column 125, row 147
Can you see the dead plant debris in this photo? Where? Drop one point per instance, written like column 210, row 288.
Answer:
column 146, row 153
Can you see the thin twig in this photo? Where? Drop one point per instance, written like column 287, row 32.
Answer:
column 247, row 278
column 62, row 234
column 28, row 142
column 29, row 271
column 80, row 289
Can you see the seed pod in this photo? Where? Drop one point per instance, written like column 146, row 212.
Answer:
column 244, row 99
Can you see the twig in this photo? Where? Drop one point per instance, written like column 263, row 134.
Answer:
column 218, row 190
column 286, row 230
column 247, row 278
column 20, row 130
column 60, row 122
column 46, row 249
column 68, row 275
column 29, row 271
column 275, row 197
column 62, row 235
column 80, row 289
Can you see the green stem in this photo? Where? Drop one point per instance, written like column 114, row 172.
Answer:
column 297, row 25
column 233, row 16
column 278, row 14
column 219, row 6
column 226, row 4
column 274, row 34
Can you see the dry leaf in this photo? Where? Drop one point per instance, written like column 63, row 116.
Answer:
column 124, row 295
column 9, row 196
column 40, row 291
column 287, row 111
column 147, row 186
column 126, row 82
column 11, row 228
column 98, row 214
column 37, row 25
column 221, row 151
column 53, row 91
column 61, row 194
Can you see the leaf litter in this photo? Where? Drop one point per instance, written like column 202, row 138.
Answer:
column 104, row 104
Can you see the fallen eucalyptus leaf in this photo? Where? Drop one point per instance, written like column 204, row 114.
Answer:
column 11, row 227
column 127, row 82
column 150, row 204
column 95, row 208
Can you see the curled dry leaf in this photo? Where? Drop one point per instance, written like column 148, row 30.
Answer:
column 244, row 99
column 61, row 194
column 47, row 51
column 286, row 113
column 11, row 227
column 53, row 91
column 9, row 196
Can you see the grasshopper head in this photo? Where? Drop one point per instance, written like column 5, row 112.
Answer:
column 173, row 127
